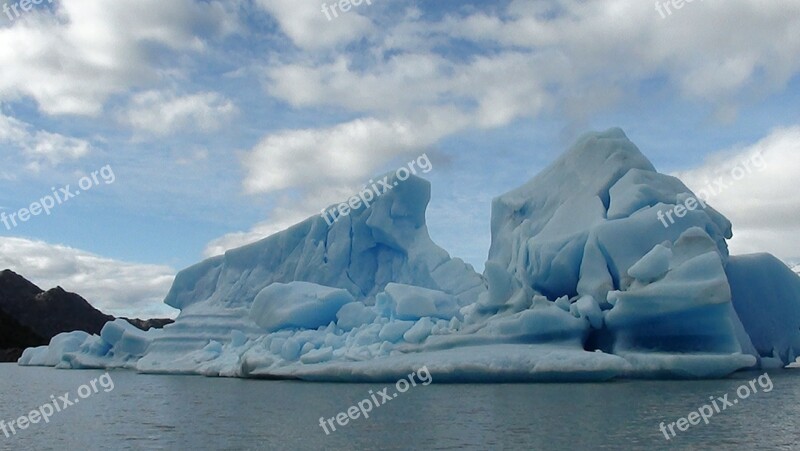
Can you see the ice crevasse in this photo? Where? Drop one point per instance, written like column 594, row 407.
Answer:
column 582, row 282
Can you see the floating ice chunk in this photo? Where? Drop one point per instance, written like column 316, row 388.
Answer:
column 355, row 314
column 393, row 331
column 112, row 331
column 132, row 344
column 367, row 335
column 276, row 345
column 543, row 322
column 317, row 355
column 686, row 311
column 52, row 354
column 95, row 346
column 408, row 302
column 238, row 338
column 587, row 307
column 291, row 349
column 297, row 305
column 765, row 293
column 419, row 332
column 501, row 285
column 125, row 338
column 653, row 265
column 563, row 303
column 308, row 347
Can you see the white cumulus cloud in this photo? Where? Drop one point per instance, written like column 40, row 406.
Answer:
column 114, row 287
column 41, row 147
column 756, row 187
column 71, row 60
column 162, row 113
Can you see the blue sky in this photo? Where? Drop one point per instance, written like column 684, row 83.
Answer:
column 227, row 121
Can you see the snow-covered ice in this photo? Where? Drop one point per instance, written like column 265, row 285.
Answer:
column 582, row 282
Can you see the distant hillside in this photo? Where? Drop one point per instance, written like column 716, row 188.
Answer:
column 147, row 324
column 14, row 338
column 30, row 316
column 47, row 313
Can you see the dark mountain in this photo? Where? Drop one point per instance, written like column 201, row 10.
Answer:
column 14, row 338
column 30, row 316
column 147, row 324
column 47, row 313
column 14, row 285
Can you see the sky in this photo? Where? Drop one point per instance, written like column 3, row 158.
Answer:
column 168, row 132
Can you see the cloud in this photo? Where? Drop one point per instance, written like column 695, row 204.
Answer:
column 283, row 218
column 756, row 187
column 114, row 287
column 309, row 27
column 41, row 147
column 71, row 59
column 494, row 90
column 341, row 156
column 628, row 39
column 534, row 57
column 569, row 57
column 162, row 113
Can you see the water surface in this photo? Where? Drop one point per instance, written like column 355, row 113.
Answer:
column 146, row 412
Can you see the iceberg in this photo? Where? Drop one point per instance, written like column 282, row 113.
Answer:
column 585, row 280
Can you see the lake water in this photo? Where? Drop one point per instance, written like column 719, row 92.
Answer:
column 196, row 413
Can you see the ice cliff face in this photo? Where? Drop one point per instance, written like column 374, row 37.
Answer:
column 359, row 253
column 594, row 272
column 588, row 230
column 598, row 202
